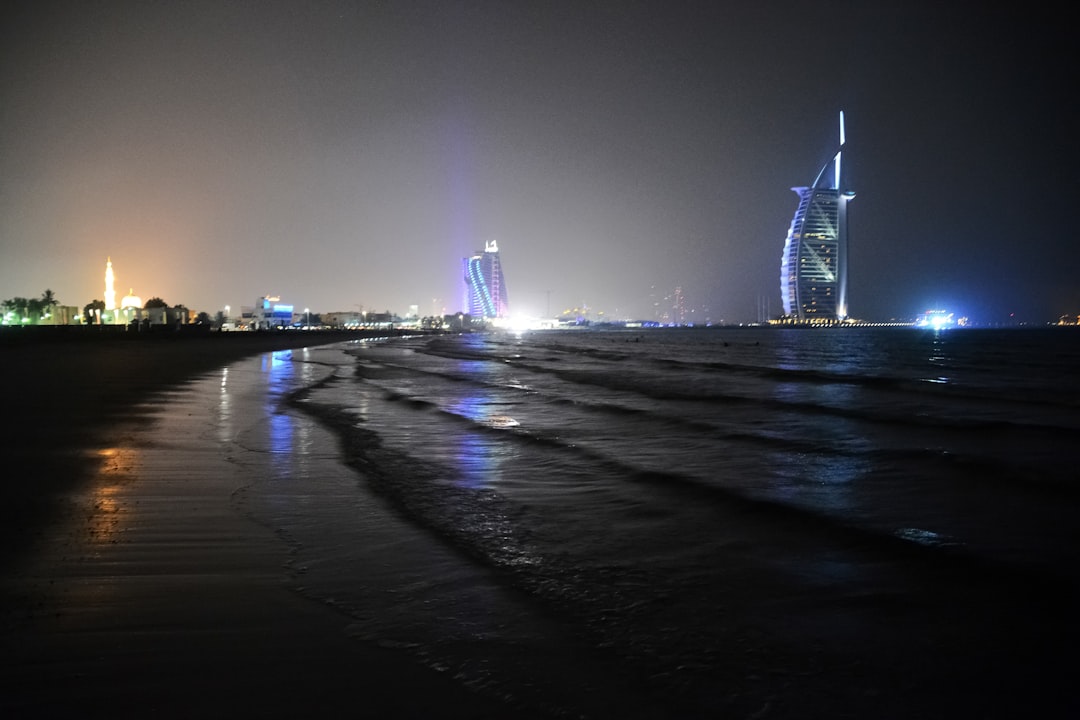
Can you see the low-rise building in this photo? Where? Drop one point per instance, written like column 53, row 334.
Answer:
column 270, row 314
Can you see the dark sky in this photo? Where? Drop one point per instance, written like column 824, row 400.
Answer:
column 345, row 154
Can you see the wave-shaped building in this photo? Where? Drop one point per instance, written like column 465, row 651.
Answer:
column 813, row 270
column 485, row 286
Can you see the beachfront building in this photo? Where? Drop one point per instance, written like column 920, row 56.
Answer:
column 61, row 315
column 270, row 314
column 485, row 286
column 348, row 320
column 813, row 269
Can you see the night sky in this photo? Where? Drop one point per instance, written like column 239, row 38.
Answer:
column 347, row 155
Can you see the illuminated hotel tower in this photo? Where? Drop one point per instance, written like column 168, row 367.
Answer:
column 813, row 270
column 485, row 287
column 110, row 291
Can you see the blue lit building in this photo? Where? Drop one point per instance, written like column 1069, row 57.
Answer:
column 269, row 314
column 485, row 287
column 813, row 270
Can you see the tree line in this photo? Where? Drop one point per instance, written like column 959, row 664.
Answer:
column 94, row 308
column 30, row 311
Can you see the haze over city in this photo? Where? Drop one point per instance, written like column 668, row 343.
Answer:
column 347, row 155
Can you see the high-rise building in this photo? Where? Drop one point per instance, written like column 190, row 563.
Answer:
column 813, row 270
column 485, row 287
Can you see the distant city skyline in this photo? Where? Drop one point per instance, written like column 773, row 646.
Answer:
column 346, row 154
column 670, row 308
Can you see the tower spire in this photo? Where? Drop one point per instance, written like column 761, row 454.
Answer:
column 838, row 151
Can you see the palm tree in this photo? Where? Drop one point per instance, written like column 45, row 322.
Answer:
column 11, row 307
column 34, row 310
column 88, row 310
column 21, row 307
column 46, row 303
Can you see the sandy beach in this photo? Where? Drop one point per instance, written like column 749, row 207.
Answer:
column 133, row 584
column 162, row 508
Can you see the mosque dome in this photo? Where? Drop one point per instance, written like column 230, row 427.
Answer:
column 131, row 300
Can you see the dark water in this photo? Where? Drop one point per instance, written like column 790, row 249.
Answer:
column 778, row 523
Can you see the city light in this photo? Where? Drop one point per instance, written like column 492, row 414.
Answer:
column 519, row 324
column 936, row 319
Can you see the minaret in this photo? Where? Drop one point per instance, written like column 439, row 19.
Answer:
column 110, row 292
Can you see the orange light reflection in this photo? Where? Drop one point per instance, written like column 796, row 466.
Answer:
column 108, row 503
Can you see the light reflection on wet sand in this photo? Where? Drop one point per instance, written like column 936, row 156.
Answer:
column 170, row 598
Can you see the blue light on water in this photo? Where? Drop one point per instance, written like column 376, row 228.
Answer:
column 279, row 367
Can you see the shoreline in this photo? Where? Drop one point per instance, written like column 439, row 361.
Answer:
column 185, row 594
column 66, row 392
column 143, row 590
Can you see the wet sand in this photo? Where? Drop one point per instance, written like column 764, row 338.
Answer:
column 65, row 391
column 133, row 587
column 136, row 582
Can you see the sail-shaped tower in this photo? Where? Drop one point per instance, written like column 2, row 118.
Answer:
column 813, row 270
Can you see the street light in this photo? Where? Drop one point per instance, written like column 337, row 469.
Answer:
column 307, row 318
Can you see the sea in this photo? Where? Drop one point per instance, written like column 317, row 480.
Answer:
column 695, row 522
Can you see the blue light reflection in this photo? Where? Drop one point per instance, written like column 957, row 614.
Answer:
column 479, row 453
column 278, row 366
